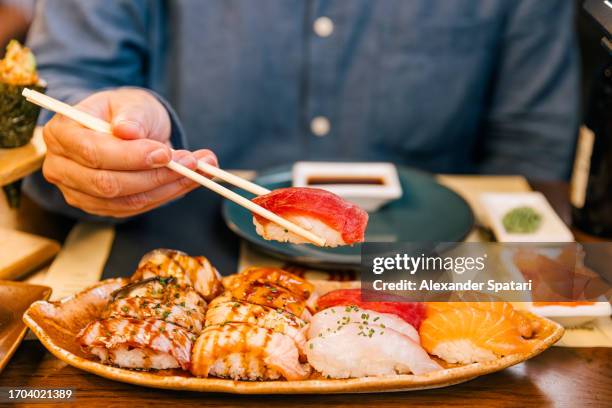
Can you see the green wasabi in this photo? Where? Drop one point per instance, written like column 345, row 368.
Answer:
column 522, row 220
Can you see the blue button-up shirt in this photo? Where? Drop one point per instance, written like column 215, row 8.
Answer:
column 456, row 86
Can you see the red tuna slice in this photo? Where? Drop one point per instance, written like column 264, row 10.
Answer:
column 340, row 215
column 411, row 312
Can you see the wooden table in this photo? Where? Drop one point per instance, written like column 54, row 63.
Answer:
column 558, row 377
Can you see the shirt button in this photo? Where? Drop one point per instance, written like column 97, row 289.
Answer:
column 320, row 126
column 323, row 26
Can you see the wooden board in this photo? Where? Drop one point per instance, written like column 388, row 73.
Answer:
column 18, row 162
column 81, row 261
column 470, row 187
column 21, row 252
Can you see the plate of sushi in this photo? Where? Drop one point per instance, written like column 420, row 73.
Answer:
column 426, row 211
column 177, row 324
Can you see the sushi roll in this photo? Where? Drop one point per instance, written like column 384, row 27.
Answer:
column 140, row 344
column 242, row 351
column 341, row 347
column 17, row 116
column 196, row 271
column 323, row 213
column 469, row 335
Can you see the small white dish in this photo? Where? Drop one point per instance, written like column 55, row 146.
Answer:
column 369, row 185
column 551, row 229
column 565, row 315
column 572, row 316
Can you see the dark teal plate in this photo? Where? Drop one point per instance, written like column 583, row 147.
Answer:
column 427, row 212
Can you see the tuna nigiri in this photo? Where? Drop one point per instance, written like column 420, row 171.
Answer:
column 411, row 312
column 323, row 213
column 468, row 335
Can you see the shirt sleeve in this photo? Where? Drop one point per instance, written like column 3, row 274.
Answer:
column 532, row 123
column 84, row 47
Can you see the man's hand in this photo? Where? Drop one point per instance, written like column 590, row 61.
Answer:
column 117, row 176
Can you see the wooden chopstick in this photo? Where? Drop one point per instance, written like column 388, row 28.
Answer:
column 232, row 178
column 102, row 126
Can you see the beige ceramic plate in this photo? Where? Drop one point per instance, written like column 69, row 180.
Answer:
column 57, row 323
column 16, row 298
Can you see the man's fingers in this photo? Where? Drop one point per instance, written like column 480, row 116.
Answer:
column 108, row 183
column 133, row 204
column 128, row 205
column 99, row 151
column 208, row 156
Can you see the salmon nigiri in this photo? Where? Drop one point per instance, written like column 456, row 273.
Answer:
column 522, row 323
column 469, row 335
column 323, row 213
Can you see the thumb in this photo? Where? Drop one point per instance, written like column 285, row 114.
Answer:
column 137, row 114
column 130, row 124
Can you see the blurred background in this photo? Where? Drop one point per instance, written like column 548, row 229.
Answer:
column 16, row 15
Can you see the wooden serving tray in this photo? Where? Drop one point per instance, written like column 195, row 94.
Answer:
column 57, row 323
column 18, row 162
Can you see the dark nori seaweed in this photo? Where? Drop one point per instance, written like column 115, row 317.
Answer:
column 17, row 115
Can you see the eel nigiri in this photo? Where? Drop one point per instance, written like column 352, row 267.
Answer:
column 275, row 276
column 143, row 308
column 142, row 344
column 270, row 295
column 242, row 351
column 468, row 335
column 196, row 271
column 323, row 213
column 278, row 276
column 221, row 312
column 159, row 298
column 343, row 348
